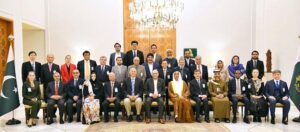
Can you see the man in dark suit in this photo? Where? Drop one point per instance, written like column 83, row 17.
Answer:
column 150, row 65
column 189, row 62
column 115, row 55
column 198, row 66
column 134, row 53
column 155, row 91
column 199, row 93
column 31, row 65
column 102, row 70
column 112, row 94
column 185, row 72
column 172, row 61
column 86, row 66
column 133, row 92
column 56, row 94
column 255, row 63
column 74, row 90
column 156, row 57
column 277, row 91
column 47, row 71
column 238, row 91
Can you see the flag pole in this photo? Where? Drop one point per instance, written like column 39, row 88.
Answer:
column 12, row 121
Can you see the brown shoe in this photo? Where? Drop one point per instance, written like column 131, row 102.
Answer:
column 162, row 121
column 148, row 121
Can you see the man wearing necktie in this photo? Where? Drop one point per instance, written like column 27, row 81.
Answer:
column 74, row 95
column 56, row 94
column 134, row 53
column 277, row 91
column 172, row 61
column 86, row 66
column 238, row 92
column 112, row 95
column 255, row 63
column 133, row 92
column 185, row 72
column 31, row 65
column 103, row 70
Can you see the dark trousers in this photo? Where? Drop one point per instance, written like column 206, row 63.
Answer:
column 35, row 107
column 105, row 106
column 285, row 110
column 198, row 109
column 61, row 106
column 235, row 101
column 160, row 103
column 70, row 108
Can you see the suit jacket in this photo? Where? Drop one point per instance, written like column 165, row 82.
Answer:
column 149, row 87
column 197, row 90
column 26, row 67
column 46, row 75
column 112, row 59
column 129, row 57
column 185, row 74
column 80, row 67
column 158, row 58
column 190, row 64
column 65, row 75
column 172, row 62
column 73, row 89
column 270, row 89
column 232, row 87
column 51, row 90
column 138, row 87
column 121, row 73
column 259, row 65
column 147, row 68
column 141, row 72
column 204, row 72
column 102, row 76
column 168, row 77
column 117, row 91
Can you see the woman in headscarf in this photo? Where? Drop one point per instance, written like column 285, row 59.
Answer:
column 235, row 65
column 223, row 71
column 179, row 95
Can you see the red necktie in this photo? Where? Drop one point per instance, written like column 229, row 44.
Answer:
column 56, row 88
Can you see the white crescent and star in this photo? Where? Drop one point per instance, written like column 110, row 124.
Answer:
column 5, row 79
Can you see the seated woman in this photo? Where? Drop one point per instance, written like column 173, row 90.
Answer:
column 91, row 106
column 179, row 95
column 258, row 105
column 218, row 90
column 235, row 65
column 31, row 96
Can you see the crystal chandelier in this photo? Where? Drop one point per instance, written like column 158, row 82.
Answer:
column 156, row 13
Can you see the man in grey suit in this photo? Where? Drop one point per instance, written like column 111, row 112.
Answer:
column 140, row 69
column 120, row 70
column 156, row 57
column 155, row 89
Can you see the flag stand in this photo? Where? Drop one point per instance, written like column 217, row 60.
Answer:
column 13, row 121
column 296, row 119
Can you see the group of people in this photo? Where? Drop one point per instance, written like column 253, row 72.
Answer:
column 88, row 89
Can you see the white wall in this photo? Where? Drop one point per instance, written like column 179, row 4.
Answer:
column 75, row 26
column 34, row 40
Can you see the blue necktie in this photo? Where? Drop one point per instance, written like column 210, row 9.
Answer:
column 132, row 86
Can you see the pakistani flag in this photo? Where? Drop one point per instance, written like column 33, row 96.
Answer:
column 9, row 98
column 295, row 83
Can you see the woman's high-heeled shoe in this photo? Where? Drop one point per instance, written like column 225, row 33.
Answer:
column 29, row 124
column 34, row 122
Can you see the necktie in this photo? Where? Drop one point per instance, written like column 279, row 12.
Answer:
column 165, row 71
column 87, row 70
column 199, row 83
column 56, row 88
column 75, row 82
column 134, row 53
column 238, row 87
column 155, row 87
column 102, row 69
column 255, row 64
column 277, row 84
column 132, row 86
column 33, row 66
column 50, row 67
column 112, row 89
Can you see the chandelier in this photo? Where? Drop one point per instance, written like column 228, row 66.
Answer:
column 156, row 13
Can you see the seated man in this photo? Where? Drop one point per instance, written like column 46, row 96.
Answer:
column 278, row 91
column 74, row 96
column 112, row 94
column 56, row 95
column 155, row 89
column 133, row 92
column 238, row 92
column 199, row 93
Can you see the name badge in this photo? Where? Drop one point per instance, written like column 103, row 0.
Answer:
column 116, row 90
column 29, row 89
column 283, row 89
column 243, row 88
column 218, row 90
column 141, row 74
column 169, row 65
column 103, row 84
column 168, row 76
column 80, row 86
column 92, row 68
column 54, row 71
column 107, row 72
column 203, row 85
column 249, row 86
column 185, row 76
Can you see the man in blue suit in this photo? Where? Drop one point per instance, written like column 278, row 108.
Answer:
column 86, row 66
column 115, row 55
column 278, row 91
column 238, row 92
column 150, row 65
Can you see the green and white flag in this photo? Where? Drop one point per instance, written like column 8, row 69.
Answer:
column 9, row 97
column 295, row 83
